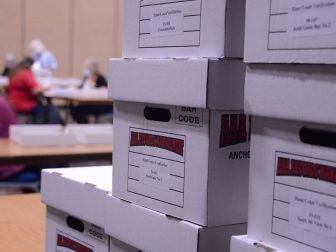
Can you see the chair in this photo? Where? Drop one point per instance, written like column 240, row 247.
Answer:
column 26, row 181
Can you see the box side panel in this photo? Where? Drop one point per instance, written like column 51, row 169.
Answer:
column 226, row 81
column 234, row 28
column 228, row 168
column 218, row 238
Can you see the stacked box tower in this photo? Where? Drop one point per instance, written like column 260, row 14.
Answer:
column 181, row 138
column 290, row 48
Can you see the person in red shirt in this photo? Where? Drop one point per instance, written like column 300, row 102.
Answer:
column 23, row 88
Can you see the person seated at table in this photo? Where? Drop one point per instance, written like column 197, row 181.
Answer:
column 92, row 79
column 10, row 63
column 24, row 92
column 45, row 63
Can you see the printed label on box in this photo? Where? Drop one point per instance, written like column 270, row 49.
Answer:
column 154, row 172
column 189, row 116
column 156, row 165
column 167, row 20
column 169, row 23
column 300, row 24
column 96, row 232
column 313, row 212
column 311, row 17
column 304, row 200
column 67, row 243
column 235, row 129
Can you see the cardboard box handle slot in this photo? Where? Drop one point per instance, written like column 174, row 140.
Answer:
column 157, row 114
column 75, row 224
column 319, row 137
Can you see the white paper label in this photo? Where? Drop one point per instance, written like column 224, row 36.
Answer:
column 155, row 172
column 311, row 17
column 313, row 212
column 189, row 116
column 167, row 20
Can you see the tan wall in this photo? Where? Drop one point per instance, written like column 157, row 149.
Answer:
column 72, row 29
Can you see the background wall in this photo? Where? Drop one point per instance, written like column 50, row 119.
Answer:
column 72, row 29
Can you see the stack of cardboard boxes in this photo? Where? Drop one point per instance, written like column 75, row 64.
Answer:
column 290, row 46
column 181, row 139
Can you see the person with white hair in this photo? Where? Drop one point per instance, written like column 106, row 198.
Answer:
column 92, row 79
column 10, row 63
column 44, row 59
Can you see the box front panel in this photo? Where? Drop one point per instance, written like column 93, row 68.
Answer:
column 302, row 24
column 167, row 23
column 67, row 233
column 295, row 181
column 162, row 163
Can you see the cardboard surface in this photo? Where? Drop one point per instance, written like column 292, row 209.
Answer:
column 244, row 244
column 193, row 166
column 152, row 231
column 92, row 134
column 200, row 28
column 296, row 92
column 66, row 233
column 202, row 83
column 290, row 31
column 292, row 200
column 75, row 199
column 75, row 189
column 40, row 135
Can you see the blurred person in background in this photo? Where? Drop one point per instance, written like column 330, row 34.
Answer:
column 45, row 62
column 7, row 118
column 92, row 79
column 24, row 94
column 9, row 64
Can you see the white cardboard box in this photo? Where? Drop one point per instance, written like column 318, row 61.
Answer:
column 92, row 134
column 152, row 231
column 243, row 243
column 296, row 92
column 40, row 135
column 203, row 83
column 288, row 31
column 75, row 199
column 198, row 28
column 187, row 162
column 292, row 194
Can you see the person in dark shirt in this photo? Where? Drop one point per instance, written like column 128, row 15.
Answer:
column 92, row 79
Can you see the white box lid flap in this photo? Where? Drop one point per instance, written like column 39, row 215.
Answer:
column 78, row 191
column 202, row 83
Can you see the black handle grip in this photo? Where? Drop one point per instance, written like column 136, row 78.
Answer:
column 157, row 114
column 319, row 137
column 75, row 224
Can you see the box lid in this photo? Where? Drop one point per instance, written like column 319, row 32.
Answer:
column 294, row 92
column 78, row 191
column 243, row 243
column 149, row 230
column 202, row 83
